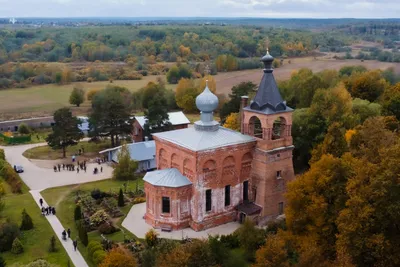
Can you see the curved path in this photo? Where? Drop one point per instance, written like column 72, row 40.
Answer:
column 38, row 179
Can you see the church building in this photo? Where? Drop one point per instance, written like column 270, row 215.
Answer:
column 209, row 175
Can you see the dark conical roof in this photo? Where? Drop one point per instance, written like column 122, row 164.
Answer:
column 268, row 98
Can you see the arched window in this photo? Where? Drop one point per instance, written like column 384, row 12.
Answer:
column 255, row 127
column 228, row 166
column 162, row 157
column 246, row 165
column 210, row 170
column 278, row 128
column 187, row 171
column 175, row 161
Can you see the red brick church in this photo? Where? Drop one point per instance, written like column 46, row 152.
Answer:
column 209, row 175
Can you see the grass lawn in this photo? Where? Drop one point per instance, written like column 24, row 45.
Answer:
column 63, row 198
column 36, row 241
column 43, row 100
column 47, row 153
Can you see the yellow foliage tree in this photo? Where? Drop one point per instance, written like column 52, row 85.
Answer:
column 348, row 135
column 178, row 257
column 233, row 122
column 184, row 51
column 272, row 254
column 90, row 94
column 118, row 257
column 212, row 85
column 186, row 93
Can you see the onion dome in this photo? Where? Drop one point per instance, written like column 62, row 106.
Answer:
column 267, row 60
column 207, row 101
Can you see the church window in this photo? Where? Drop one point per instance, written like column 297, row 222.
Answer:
column 165, row 205
column 227, row 195
column 279, row 175
column 208, row 199
column 255, row 127
column 280, row 208
column 245, row 190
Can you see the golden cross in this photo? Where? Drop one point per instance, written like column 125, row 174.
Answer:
column 267, row 45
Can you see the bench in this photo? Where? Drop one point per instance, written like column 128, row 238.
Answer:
column 165, row 228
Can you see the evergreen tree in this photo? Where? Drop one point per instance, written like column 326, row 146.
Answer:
column 17, row 247
column 121, row 202
column 77, row 213
column 26, row 223
column 83, row 236
column 53, row 247
column 65, row 130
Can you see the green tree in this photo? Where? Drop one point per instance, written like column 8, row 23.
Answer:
column 17, row 247
column 250, row 238
column 368, row 85
column 391, row 101
column 364, row 109
column 186, row 93
column 2, row 262
column 237, row 91
column 77, row 96
column 65, row 130
column 26, row 222
column 111, row 113
column 156, row 115
column 8, row 232
column 121, row 201
column 53, row 244
column 82, row 232
column 23, row 129
column 77, row 213
column 126, row 167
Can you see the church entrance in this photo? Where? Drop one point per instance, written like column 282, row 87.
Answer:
column 242, row 217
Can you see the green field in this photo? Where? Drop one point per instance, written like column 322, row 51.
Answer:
column 63, row 198
column 42, row 231
column 44, row 99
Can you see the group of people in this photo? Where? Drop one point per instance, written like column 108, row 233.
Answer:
column 71, row 167
column 47, row 210
column 64, row 234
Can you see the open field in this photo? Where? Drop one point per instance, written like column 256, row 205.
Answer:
column 225, row 81
column 43, row 100
column 63, row 198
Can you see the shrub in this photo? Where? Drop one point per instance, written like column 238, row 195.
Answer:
column 98, row 256
column 23, row 129
column 107, row 228
column 89, row 80
column 139, row 200
column 98, row 218
column 121, row 202
column 26, row 223
column 98, row 194
column 90, row 94
column 2, row 262
column 231, row 241
column 77, row 213
column 11, row 177
column 151, row 238
column 92, row 247
column 53, row 244
column 17, row 247
column 41, row 263
column 8, row 232
column 2, row 154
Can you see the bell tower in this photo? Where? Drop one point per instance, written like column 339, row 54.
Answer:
column 269, row 120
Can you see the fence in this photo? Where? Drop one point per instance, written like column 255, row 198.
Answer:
column 15, row 139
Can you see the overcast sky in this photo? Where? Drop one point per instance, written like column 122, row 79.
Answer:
column 202, row 8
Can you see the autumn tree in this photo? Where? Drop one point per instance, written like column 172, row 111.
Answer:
column 367, row 85
column 118, row 257
column 334, row 143
column 315, row 199
column 364, row 109
column 391, row 101
column 233, row 121
column 77, row 96
column 273, row 253
column 65, row 130
column 126, row 167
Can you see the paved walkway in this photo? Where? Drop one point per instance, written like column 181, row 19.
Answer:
column 135, row 223
column 41, row 178
column 75, row 256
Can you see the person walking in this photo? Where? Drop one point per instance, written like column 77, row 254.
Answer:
column 53, row 210
column 59, row 167
column 46, row 210
column 101, row 169
column 41, row 202
column 69, row 233
column 63, row 166
column 77, row 169
column 43, row 210
column 75, row 244
column 64, row 235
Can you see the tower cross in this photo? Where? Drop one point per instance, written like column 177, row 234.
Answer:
column 267, row 45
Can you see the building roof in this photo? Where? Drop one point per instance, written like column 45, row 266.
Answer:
column 249, row 208
column 166, row 177
column 197, row 140
column 139, row 151
column 176, row 118
column 268, row 99
column 29, row 119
